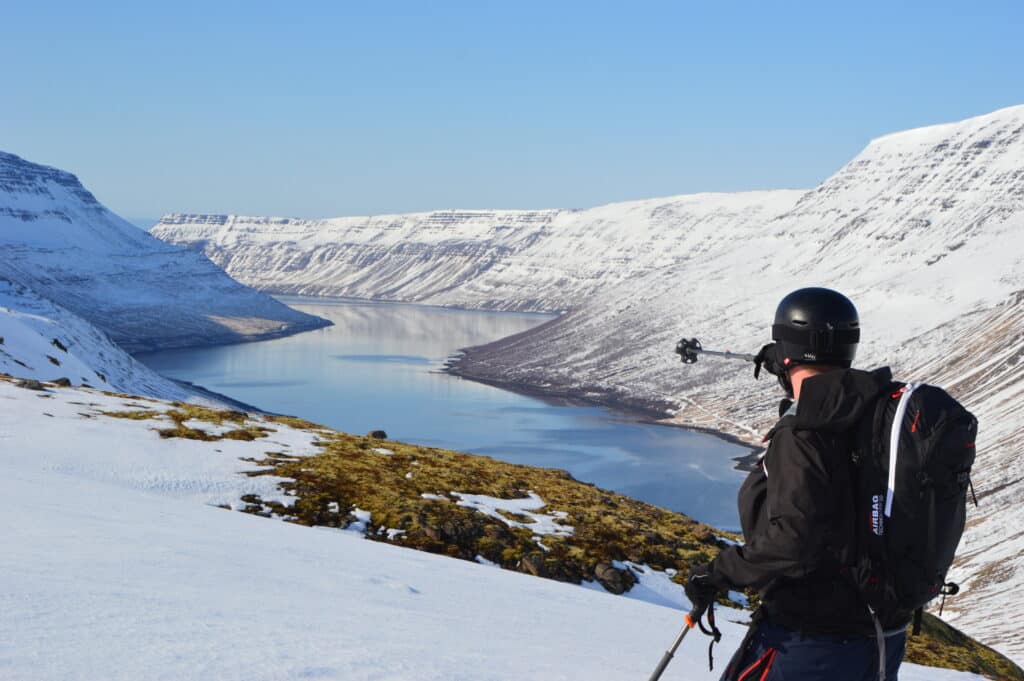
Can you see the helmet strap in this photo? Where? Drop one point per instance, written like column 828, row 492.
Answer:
column 784, row 381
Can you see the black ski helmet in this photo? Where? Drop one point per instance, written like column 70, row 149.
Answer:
column 816, row 326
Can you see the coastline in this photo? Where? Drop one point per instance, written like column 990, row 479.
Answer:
column 648, row 412
column 144, row 345
column 221, row 397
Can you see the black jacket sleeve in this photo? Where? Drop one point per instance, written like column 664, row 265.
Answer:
column 791, row 527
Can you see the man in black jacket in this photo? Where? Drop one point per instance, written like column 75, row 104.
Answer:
column 797, row 510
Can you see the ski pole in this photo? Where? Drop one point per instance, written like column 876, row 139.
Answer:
column 690, row 348
column 691, row 620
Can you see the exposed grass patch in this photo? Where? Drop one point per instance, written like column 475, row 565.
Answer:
column 184, row 432
column 993, row 573
column 183, row 413
column 295, row 422
column 940, row 645
column 140, row 415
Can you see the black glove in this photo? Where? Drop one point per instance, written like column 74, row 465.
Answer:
column 770, row 358
column 774, row 363
column 784, row 405
column 701, row 589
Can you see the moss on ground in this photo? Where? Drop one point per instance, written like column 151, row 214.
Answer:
column 348, row 473
column 139, row 415
column 940, row 645
column 183, row 412
column 295, row 422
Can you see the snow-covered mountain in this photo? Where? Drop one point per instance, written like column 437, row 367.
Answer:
column 59, row 241
column 546, row 260
column 924, row 230
column 107, row 577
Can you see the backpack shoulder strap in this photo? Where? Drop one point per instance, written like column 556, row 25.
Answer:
column 787, row 421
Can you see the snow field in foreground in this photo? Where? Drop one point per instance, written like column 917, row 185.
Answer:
column 115, row 567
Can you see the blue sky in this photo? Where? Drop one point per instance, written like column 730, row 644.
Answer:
column 340, row 108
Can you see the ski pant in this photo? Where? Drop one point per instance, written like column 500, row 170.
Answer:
column 773, row 653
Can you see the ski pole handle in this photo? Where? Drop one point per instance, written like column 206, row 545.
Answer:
column 689, row 349
column 691, row 619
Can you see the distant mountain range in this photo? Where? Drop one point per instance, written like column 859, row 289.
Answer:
column 924, row 230
column 546, row 260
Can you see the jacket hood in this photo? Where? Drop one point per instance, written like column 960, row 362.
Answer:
column 835, row 401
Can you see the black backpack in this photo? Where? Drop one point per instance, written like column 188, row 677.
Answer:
column 911, row 500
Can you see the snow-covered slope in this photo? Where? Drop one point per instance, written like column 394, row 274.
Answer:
column 117, row 565
column 508, row 260
column 924, row 230
column 43, row 341
column 58, row 240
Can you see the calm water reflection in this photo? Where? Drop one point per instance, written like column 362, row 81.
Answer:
column 378, row 368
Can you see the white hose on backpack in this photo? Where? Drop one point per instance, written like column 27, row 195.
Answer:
column 894, row 443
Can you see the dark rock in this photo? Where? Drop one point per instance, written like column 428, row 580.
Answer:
column 30, row 384
column 613, row 579
column 466, row 534
column 533, row 564
column 653, row 538
column 377, row 435
column 60, row 346
column 63, row 382
column 453, row 532
column 53, row 360
column 706, row 536
column 498, row 532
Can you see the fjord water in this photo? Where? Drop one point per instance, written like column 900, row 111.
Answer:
column 379, row 367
